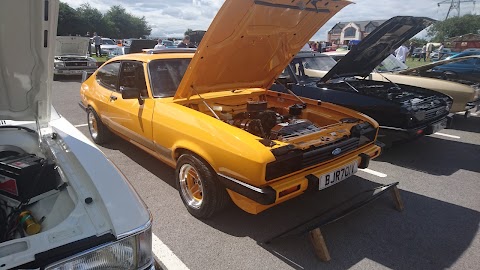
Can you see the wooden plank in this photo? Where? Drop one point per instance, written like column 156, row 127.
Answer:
column 397, row 199
column 319, row 245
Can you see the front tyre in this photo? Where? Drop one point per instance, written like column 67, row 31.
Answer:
column 98, row 131
column 199, row 187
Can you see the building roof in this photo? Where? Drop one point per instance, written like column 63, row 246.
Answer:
column 361, row 24
column 466, row 37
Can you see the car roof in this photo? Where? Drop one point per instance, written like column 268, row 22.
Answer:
column 147, row 57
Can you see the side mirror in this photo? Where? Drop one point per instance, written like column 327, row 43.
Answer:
column 129, row 92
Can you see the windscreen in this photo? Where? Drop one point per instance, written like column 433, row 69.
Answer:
column 166, row 75
column 391, row 64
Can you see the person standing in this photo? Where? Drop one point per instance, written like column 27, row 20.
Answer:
column 97, row 40
column 429, row 50
column 410, row 50
column 423, row 54
column 159, row 45
column 89, row 43
column 401, row 53
column 440, row 51
column 185, row 43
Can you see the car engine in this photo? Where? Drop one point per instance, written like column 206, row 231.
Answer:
column 25, row 179
column 265, row 122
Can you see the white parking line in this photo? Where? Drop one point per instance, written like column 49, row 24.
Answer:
column 379, row 174
column 448, row 135
column 167, row 259
column 81, row 125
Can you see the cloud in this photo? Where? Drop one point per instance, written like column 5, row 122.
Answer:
column 173, row 17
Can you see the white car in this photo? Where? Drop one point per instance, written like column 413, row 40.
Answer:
column 108, row 45
column 71, row 57
column 63, row 204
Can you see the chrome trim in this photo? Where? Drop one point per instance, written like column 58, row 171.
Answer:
column 137, row 230
column 241, row 183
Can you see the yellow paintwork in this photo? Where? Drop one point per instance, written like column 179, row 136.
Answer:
column 168, row 127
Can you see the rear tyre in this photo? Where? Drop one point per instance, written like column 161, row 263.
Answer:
column 98, row 131
column 199, row 188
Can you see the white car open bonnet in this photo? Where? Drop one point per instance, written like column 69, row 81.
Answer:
column 26, row 59
column 71, row 46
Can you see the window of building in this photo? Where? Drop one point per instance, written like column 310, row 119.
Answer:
column 336, row 31
column 350, row 32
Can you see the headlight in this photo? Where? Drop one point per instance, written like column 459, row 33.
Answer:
column 133, row 252
column 92, row 64
column 59, row 64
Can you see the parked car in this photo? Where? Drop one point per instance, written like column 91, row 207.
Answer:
column 417, row 53
column 467, row 69
column 63, row 204
column 168, row 44
column 217, row 124
column 71, row 57
column 465, row 94
column 404, row 112
column 463, row 54
column 107, row 46
column 435, row 55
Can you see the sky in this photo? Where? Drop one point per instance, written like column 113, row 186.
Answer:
column 170, row 18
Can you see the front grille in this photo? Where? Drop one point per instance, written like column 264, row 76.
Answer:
column 434, row 113
column 76, row 64
column 324, row 153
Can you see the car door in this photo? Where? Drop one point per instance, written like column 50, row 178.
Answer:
column 106, row 80
column 132, row 118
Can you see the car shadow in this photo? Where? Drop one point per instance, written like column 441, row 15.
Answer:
column 434, row 156
column 147, row 161
column 470, row 124
column 428, row 234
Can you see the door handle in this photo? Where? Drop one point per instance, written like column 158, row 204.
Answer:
column 113, row 98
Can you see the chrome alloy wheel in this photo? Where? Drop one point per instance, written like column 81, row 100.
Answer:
column 92, row 125
column 191, row 185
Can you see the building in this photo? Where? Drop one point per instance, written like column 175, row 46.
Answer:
column 344, row 32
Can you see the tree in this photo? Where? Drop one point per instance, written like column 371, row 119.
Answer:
column 418, row 41
column 452, row 27
column 123, row 24
column 91, row 19
column 188, row 32
column 68, row 21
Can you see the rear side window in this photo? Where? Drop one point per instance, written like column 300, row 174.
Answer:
column 107, row 76
column 166, row 75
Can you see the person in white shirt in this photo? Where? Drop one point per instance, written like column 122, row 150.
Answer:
column 159, row 45
column 440, row 51
column 401, row 53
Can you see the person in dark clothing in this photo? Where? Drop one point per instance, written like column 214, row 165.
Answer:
column 185, row 43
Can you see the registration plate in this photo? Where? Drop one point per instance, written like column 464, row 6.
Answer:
column 439, row 126
column 338, row 175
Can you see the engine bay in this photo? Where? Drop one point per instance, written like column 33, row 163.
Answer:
column 268, row 123
column 29, row 181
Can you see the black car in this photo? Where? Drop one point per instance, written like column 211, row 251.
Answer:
column 403, row 112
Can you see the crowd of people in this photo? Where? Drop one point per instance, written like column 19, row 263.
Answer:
column 425, row 53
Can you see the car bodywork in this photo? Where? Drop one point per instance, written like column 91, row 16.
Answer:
column 71, row 56
column 403, row 111
column 77, row 218
column 264, row 147
column 465, row 93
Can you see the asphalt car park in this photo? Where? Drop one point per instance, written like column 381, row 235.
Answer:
column 438, row 177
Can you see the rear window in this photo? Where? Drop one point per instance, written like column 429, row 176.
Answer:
column 166, row 75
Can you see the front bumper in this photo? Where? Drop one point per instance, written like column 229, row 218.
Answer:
column 254, row 199
column 58, row 71
column 399, row 134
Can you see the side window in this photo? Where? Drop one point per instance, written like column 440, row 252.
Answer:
column 166, row 75
column 132, row 76
column 107, row 76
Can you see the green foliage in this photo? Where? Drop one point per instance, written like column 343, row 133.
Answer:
column 188, row 32
column 418, row 42
column 115, row 23
column 452, row 27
